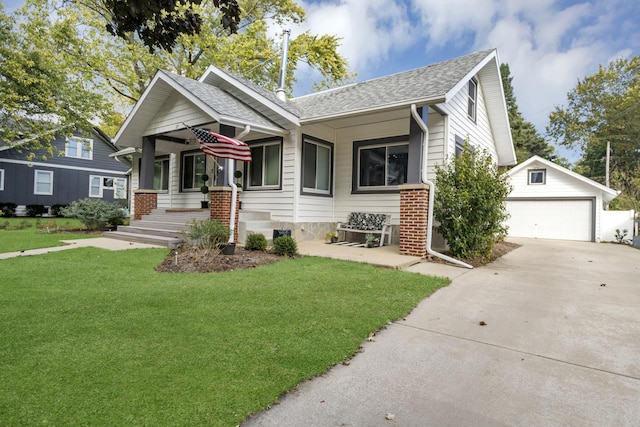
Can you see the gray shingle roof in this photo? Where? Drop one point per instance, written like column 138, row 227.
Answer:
column 428, row 82
column 220, row 100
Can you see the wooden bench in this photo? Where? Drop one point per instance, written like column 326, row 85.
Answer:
column 368, row 223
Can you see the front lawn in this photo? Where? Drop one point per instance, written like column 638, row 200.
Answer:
column 94, row 337
column 20, row 234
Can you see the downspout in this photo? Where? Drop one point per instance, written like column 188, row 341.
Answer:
column 231, row 166
column 432, row 189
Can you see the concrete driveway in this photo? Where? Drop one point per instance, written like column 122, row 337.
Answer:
column 560, row 346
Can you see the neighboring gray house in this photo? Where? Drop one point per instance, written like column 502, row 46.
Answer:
column 84, row 169
column 316, row 158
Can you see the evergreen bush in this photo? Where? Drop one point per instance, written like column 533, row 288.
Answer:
column 95, row 214
column 285, row 246
column 470, row 204
column 256, row 242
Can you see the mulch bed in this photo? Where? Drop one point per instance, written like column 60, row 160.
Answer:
column 500, row 249
column 190, row 259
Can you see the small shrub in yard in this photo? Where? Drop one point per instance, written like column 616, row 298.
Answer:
column 207, row 234
column 256, row 242
column 55, row 209
column 8, row 209
column 95, row 214
column 286, row 246
column 35, row 210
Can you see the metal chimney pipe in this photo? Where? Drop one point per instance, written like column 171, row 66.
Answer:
column 283, row 66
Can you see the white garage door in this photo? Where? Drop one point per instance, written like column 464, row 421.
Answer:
column 551, row 219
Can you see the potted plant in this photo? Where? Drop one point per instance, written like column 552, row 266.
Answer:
column 204, row 204
column 331, row 237
column 238, row 178
column 371, row 240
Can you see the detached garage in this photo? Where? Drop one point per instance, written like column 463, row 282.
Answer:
column 552, row 202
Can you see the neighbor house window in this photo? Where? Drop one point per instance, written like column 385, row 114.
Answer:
column 317, row 159
column 80, row 148
column 460, row 144
column 266, row 164
column 1, row 179
column 381, row 164
column 537, row 176
column 194, row 165
column 43, row 182
column 473, row 99
column 161, row 174
column 97, row 185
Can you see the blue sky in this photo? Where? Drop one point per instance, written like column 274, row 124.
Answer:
column 549, row 45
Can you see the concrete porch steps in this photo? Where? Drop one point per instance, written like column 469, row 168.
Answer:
column 162, row 227
column 256, row 222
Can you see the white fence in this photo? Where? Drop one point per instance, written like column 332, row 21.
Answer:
column 610, row 221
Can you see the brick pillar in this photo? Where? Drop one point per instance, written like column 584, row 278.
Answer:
column 220, row 207
column 144, row 201
column 414, row 219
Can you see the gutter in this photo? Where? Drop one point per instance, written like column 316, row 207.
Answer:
column 432, row 190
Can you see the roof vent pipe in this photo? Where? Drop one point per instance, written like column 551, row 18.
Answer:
column 283, row 66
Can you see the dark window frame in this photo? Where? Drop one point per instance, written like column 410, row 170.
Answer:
column 247, row 165
column 196, row 185
column 355, row 170
column 472, row 99
column 542, row 171
column 307, row 190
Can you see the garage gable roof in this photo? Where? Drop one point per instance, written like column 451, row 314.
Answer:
column 608, row 194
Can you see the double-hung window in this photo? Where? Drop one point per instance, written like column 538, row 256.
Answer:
column 1, row 179
column 194, row 165
column 79, row 148
column 472, row 104
column 265, row 168
column 161, row 174
column 43, row 182
column 381, row 164
column 97, row 185
column 317, row 159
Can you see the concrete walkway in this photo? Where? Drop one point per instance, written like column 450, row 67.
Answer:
column 549, row 335
column 97, row 242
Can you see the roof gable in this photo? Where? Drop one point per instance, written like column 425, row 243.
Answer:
column 537, row 162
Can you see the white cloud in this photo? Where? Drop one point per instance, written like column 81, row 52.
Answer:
column 548, row 44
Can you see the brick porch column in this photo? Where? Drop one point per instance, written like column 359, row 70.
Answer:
column 220, row 207
column 144, row 201
column 414, row 219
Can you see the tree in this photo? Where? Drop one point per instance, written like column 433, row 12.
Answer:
column 605, row 108
column 469, row 204
column 158, row 23
column 526, row 139
column 42, row 91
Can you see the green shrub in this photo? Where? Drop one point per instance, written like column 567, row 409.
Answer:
column 95, row 214
column 8, row 209
column 207, row 234
column 256, row 242
column 469, row 204
column 286, row 246
column 55, row 209
column 35, row 210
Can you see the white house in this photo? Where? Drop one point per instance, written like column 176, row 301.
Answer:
column 551, row 202
column 318, row 157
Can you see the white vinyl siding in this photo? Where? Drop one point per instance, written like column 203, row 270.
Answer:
column 79, row 148
column 43, row 182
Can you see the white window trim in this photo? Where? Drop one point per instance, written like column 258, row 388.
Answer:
column 263, row 186
column 376, row 187
column 472, row 100
column 308, row 190
column 117, row 182
column 79, row 155
column 530, row 172
column 1, row 179
column 35, row 182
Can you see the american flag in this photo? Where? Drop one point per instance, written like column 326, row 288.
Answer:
column 220, row 145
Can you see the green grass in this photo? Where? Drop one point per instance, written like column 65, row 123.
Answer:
column 19, row 234
column 93, row 337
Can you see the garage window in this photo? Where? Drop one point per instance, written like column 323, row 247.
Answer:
column 537, row 176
